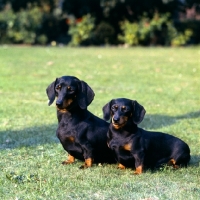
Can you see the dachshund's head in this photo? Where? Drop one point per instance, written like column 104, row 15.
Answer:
column 69, row 91
column 123, row 110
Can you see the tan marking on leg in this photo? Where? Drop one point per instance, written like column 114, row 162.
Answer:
column 69, row 160
column 138, row 170
column 175, row 166
column 66, row 103
column 120, row 166
column 172, row 163
column 88, row 163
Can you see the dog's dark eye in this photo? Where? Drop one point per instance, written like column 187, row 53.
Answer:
column 114, row 107
column 123, row 108
column 69, row 89
column 58, row 87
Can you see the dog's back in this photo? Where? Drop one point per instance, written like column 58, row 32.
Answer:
column 161, row 148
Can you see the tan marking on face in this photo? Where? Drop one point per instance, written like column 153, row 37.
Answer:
column 127, row 147
column 122, row 122
column 66, row 103
column 62, row 110
column 69, row 160
column 120, row 166
column 138, row 170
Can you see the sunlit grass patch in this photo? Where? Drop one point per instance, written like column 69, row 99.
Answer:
column 164, row 80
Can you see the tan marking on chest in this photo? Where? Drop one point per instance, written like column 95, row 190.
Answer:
column 127, row 147
column 70, row 139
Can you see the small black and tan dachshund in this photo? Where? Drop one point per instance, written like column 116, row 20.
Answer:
column 137, row 147
column 82, row 134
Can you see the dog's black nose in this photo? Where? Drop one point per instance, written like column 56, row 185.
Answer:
column 59, row 103
column 115, row 119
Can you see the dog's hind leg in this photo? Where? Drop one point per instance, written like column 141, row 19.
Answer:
column 182, row 160
column 172, row 163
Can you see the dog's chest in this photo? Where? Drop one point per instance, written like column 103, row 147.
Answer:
column 67, row 130
column 120, row 143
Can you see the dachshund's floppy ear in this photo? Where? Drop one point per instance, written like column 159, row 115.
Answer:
column 85, row 95
column 106, row 111
column 138, row 112
column 51, row 92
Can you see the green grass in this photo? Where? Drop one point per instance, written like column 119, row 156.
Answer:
column 166, row 81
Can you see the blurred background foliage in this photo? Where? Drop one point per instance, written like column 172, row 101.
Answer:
column 100, row 22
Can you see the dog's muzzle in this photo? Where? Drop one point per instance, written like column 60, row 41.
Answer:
column 117, row 124
column 63, row 106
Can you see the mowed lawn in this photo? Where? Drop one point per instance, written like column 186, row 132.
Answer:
column 166, row 81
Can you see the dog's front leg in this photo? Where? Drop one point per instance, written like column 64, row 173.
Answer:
column 88, row 155
column 139, row 160
column 88, row 163
column 138, row 170
column 120, row 166
column 69, row 160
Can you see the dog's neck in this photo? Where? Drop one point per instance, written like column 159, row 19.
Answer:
column 130, row 127
column 69, row 114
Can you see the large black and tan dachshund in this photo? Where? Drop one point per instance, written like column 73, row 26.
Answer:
column 137, row 147
column 82, row 134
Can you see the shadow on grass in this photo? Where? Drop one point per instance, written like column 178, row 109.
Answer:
column 195, row 161
column 158, row 121
column 40, row 135
column 26, row 137
column 46, row 135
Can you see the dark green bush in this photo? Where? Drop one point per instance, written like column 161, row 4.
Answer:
column 41, row 25
column 193, row 25
column 159, row 30
column 81, row 29
column 21, row 27
column 103, row 34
